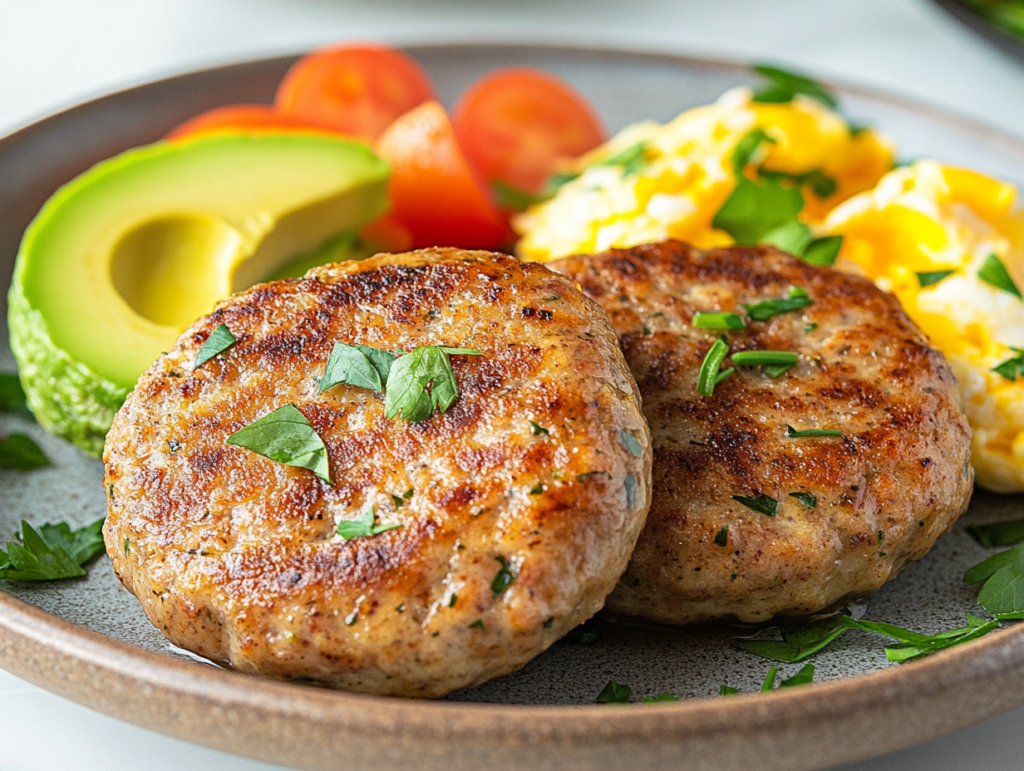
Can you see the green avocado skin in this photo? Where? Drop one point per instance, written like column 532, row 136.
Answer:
column 68, row 399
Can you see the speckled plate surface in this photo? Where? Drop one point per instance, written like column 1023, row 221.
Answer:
column 89, row 640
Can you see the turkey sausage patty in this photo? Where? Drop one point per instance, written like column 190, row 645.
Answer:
column 518, row 507
column 747, row 521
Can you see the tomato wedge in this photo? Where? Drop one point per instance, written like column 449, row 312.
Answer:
column 240, row 117
column 515, row 124
column 434, row 192
column 358, row 90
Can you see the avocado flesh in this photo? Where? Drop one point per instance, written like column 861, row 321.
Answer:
column 124, row 257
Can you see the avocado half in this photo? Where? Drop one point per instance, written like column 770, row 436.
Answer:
column 123, row 258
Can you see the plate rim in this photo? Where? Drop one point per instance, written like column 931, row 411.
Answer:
column 28, row 634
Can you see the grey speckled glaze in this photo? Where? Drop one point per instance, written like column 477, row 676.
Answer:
column 89, row 640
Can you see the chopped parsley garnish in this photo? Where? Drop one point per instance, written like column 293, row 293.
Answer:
column 709, row 376
column 998, row 533
column 803, row 677
column 515, row 199
column 1012, row 367
column 1003, row 574
column 722, row 536
column 538, row 430
column 19, row 451
column 362, row 526
column 755, row 209
column 820, row 183
column 503, row 578
column 452, row 600
column 792, row 433
column 797, row 643
column 615, row 693
column 285, row 436
column 53, row 552
column 659, row 698
column 994, row 272
column 793, row 237
column 932, row 277
column 822, row 252
column 747, row 148
column 806, row 499
column 219, row 341
column 12, row 397
column 716, row 320
column 810, row 327
column 537, row 489
column 911, row 645
column 760, row 503
column 765, row 310
column 478, row 624
column 632, row 443
column 587, row 474
column 783, row 85
column 400, row 499
column 414, row 373
column 727, row 690
column 357, row 365
column 632, row 159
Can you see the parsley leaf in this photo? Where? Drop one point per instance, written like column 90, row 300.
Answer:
column 994, row 272
column 912, row 645
column 783, row 85
column 727, row 690
column 753, row 210
column 722, row 536
column 793, row 237
column 797, row 644
column 933, row 277
column 219, row 341
column 818, row 181
column 717, row 320
column 1003, row 574
column 12, row 397
column 709, row 376
column 822, row 252
column 747, row 148
column 515, row 199
column 357, row 365
column 806, row 500
column 54, row 552
column 615, row 693
column 761, row 504
column 765, row 310
column 792, row 433
column 632, row 159
column 503, row 578
column 362, row 526
column 19, row 451
column 803, row 677
column 285, row 436
column 1012, row 367
column 632, row 443
column 998, row 533
column 412, row 374
column 538, row 430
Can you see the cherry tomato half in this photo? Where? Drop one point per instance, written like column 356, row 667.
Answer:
column 239, row 117
column 434, row 192
column 514, row 124
column 358, row 90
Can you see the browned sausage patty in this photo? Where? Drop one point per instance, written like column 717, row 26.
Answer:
column 850, row 510
column 538, row 474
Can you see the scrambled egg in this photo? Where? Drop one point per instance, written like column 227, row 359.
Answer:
column 687, row 173
column 929, row 218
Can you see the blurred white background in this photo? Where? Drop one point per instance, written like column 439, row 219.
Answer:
column 54, row 53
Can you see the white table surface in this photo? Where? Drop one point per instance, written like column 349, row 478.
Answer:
column 54, row 53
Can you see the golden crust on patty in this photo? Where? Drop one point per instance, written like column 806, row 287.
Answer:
column 885, row 491
column 235, row 556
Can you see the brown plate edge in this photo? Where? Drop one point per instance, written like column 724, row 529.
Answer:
column 793, row 730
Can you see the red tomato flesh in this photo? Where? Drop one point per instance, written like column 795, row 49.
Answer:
column 358, row 90
column 434, row 192
column 515, row 124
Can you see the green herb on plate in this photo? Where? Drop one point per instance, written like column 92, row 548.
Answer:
column 760, row 503
column 929, row 278
column 765, row 310
column 19, row 451
column 1003, row 574
column 362, row 526
column 615, row 693
column 792, row 433
column 1012, row 367
column 806, row 500
column 422, row 381
column 716, row 320
column 797, row 643
column 54, row 551
column 219, row 341
column 822, row 252
column 911, row 645
column 994, row 273
column 503, row 578
column 709, row 376
column 12, row 396
column 784, row 85
column 998, row 533
column 357, row 365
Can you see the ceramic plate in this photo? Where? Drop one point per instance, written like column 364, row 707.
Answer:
column 88, row 639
